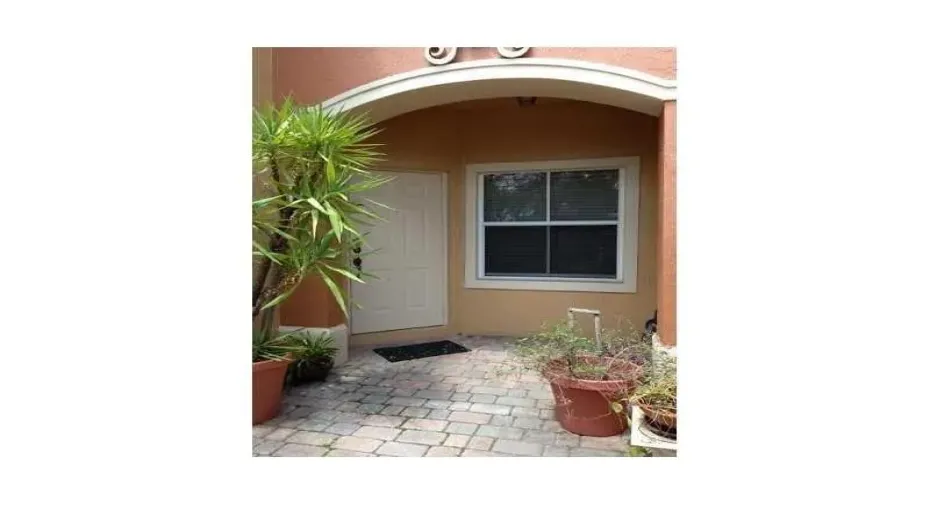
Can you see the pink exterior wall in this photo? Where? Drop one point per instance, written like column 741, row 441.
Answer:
column 314, row 75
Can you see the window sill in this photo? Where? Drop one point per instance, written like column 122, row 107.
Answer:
column 553, row 285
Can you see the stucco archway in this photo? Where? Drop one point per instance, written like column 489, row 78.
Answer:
column 610, row 85
column 495, row 78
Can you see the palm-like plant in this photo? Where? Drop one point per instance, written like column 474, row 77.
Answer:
column 314, row 165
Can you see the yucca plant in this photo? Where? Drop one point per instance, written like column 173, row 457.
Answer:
column 313, row 358
column 314, row 168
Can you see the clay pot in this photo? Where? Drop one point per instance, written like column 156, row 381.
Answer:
column 584, row 407
column 267, row 388
column 664, row 418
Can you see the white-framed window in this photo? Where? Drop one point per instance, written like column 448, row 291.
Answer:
column 556, row 225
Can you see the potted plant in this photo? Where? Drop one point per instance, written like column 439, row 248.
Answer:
column 271, row 355
column 313, row 359
column 310, row 166
column 657, row 395
column 588, row 376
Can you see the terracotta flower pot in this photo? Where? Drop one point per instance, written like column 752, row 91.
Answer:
column 662, row 417
column 584, row 407
column 267, row 388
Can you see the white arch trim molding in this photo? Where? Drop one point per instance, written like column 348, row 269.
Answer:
column 492, row 78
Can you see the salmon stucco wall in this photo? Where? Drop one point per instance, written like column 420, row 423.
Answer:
column 446, row 138
column 315, row 74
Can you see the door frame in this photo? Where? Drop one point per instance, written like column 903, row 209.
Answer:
column 444, row 203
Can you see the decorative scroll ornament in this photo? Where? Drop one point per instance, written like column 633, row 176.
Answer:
column 512, row 52
column 440, row 55
column 443, row 55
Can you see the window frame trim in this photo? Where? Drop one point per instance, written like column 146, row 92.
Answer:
column 627, row 221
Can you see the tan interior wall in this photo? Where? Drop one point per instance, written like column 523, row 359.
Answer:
column 447, row 138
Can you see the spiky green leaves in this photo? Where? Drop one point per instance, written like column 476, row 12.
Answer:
column 316, row 166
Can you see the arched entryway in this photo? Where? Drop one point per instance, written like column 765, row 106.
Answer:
column 552, row 80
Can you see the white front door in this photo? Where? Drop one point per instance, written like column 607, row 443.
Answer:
column 409, row 257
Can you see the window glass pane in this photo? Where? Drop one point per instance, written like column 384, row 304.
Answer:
column 584, row 195
column 583, row 251
column 515, row 197
column 514, row 250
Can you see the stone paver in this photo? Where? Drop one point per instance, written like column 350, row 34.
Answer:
column 267, row 447
column 566, row 439
column 422, row 437
column 348, row 407
column 415, row 412
column 539, row 437
column 462, row 428
column 426, row 425
column 313, row 425
column 377, row 432
column 503, row 420
column 351, row 443
column 382, row 420
column 474, row 404
column 392, row 410
column 336, row 453
column 369, row 408
column 516, row 402
column 618, row 443
column 289, row 450
column 349, row 417
column 471, row 453
column 470, row 417
column 437, row 404
column 480, row 443
column 406, row 401
column 527, row 423
column 457, row 440
column 261, row 430
column 375, row 390
column 501, row 432
column 552, row 451
column 540, row 394
column 487, row 408
column 401, row 449
column 440, row 414
column 443, row 451
column 525, row 412
column 433, row 395
column 375, row 399
column 488, row 390
column 341, row 428
column 518, row 448
column 280, row 434
column 311, row 438
column 593, row 453
column 482, row 398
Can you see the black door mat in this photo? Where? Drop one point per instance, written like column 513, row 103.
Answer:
column 417, row 351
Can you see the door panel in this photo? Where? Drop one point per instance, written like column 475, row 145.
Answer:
column 407, row 254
